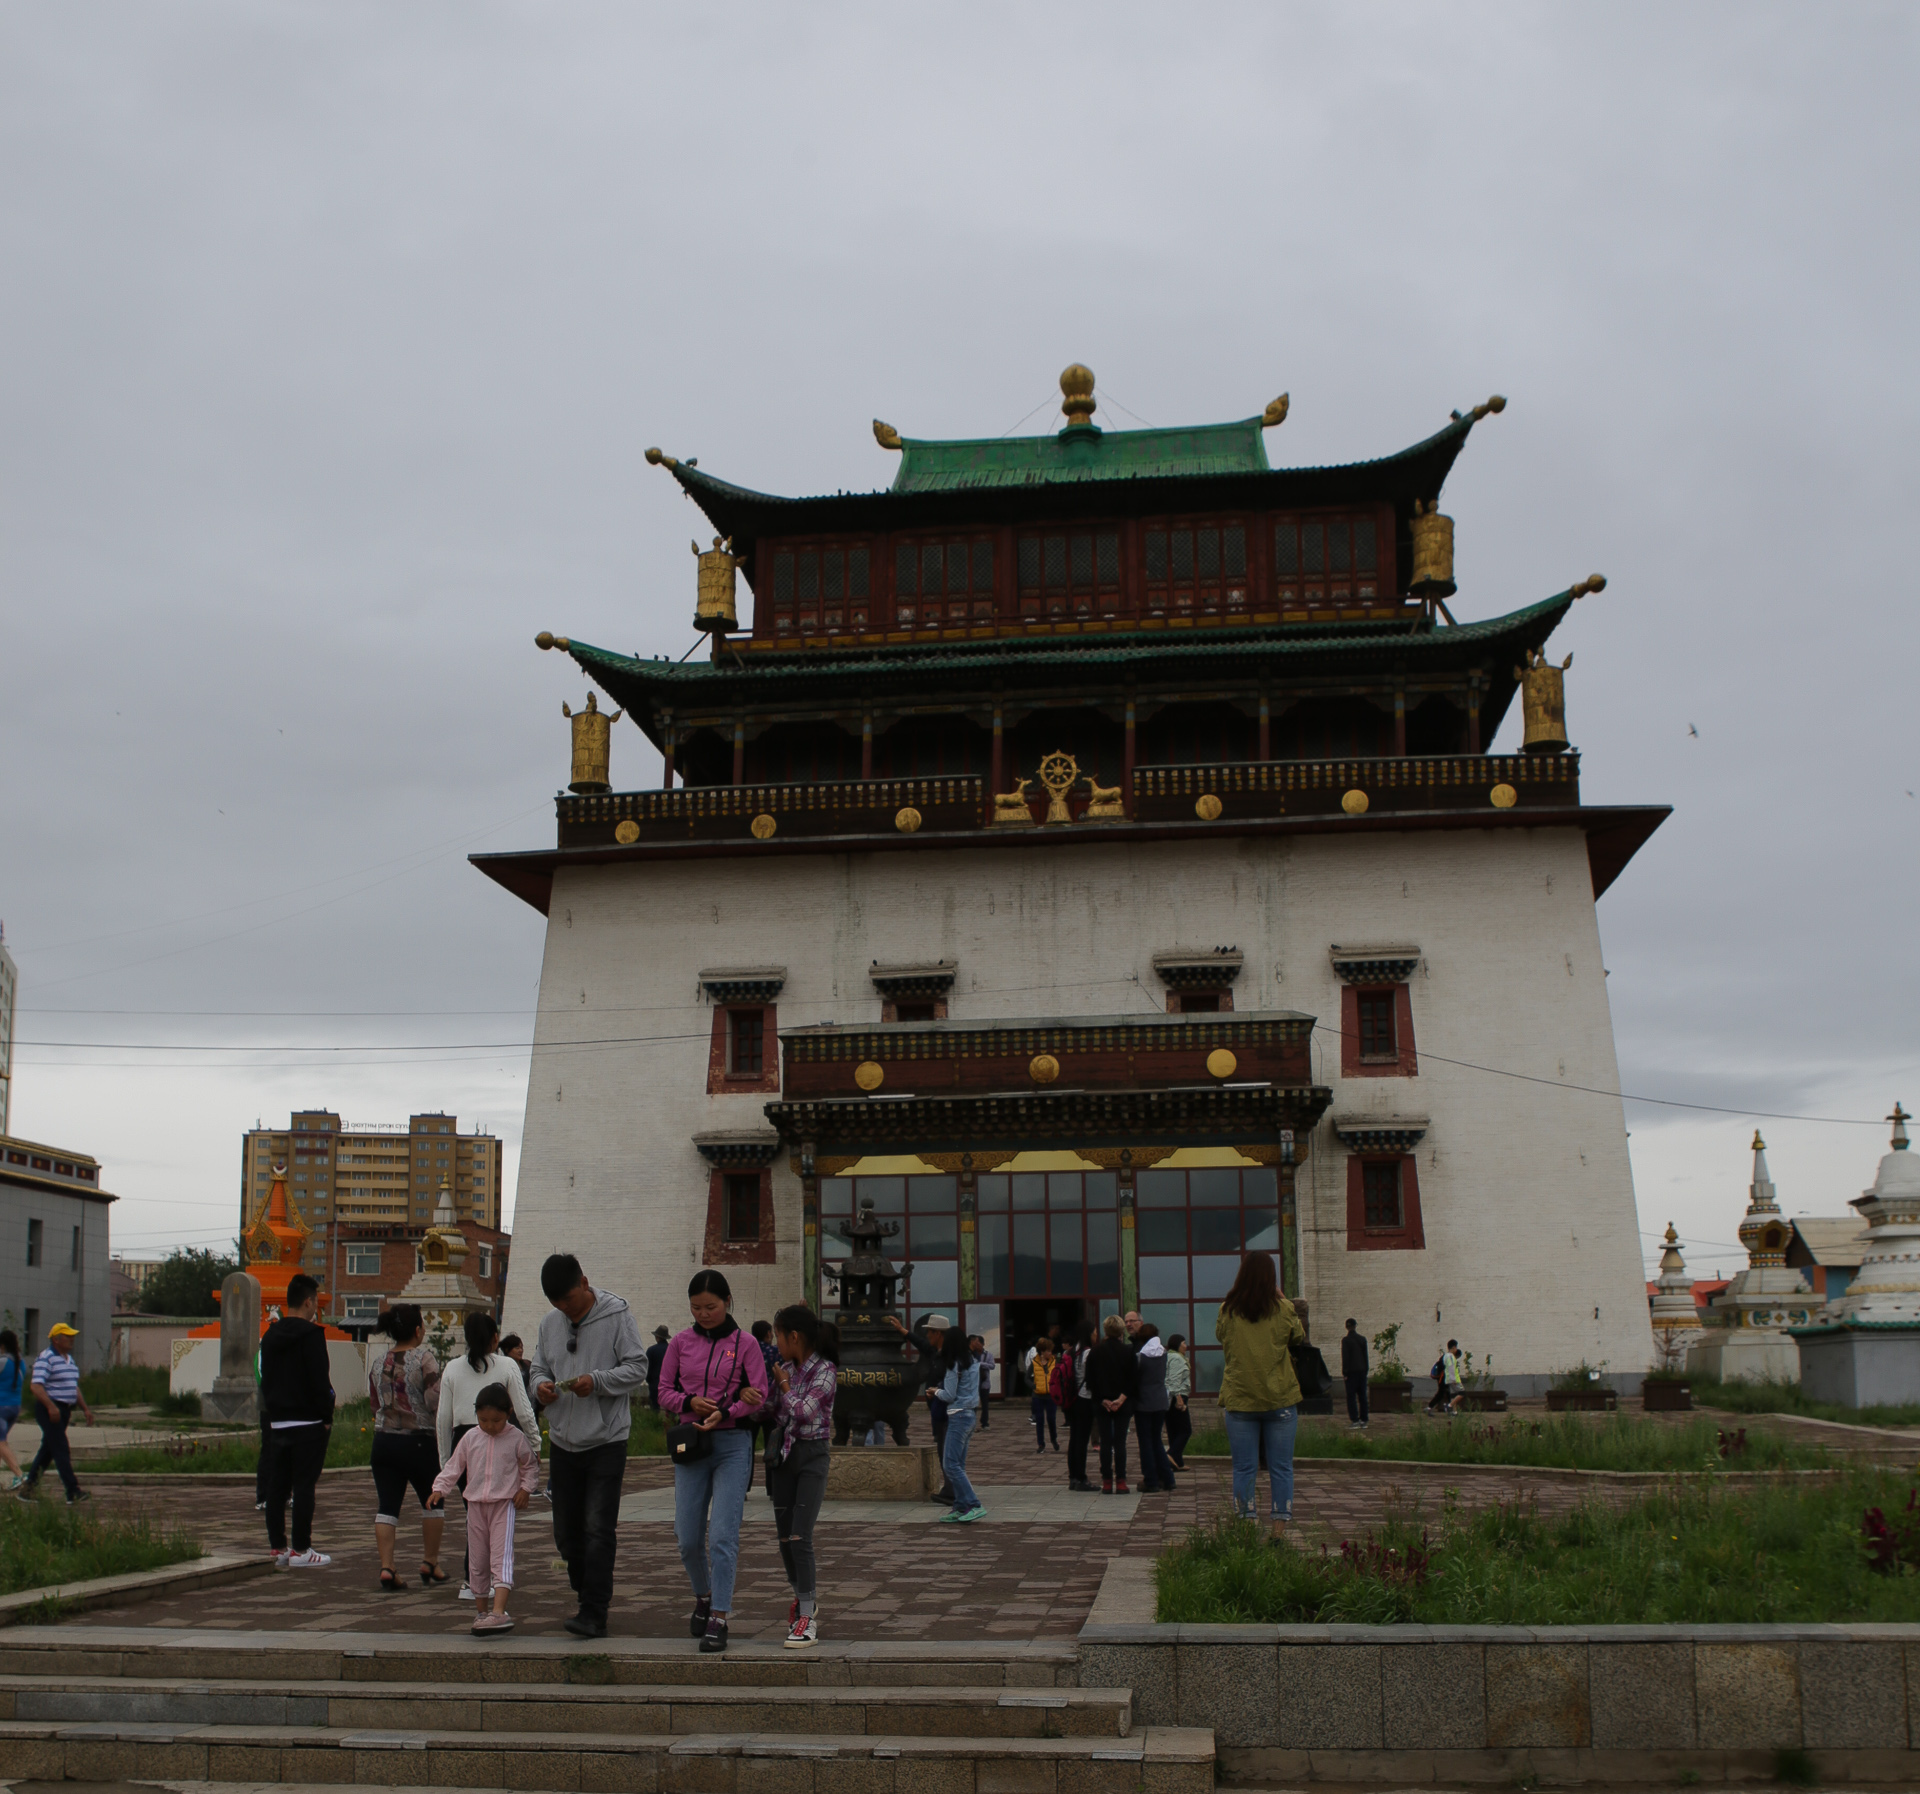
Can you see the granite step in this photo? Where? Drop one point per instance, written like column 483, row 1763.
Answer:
column 1156, row 1760
column 194, row 1655
column 626, row 1708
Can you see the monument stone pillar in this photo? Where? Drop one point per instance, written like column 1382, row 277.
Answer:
column 235, row 1396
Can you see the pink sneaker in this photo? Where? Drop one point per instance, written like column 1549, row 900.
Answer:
column 493, row 1622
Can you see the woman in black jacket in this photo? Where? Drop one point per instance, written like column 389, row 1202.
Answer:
column 1113, row 1380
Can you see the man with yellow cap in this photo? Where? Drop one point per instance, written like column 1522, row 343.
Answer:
column 56, row 1388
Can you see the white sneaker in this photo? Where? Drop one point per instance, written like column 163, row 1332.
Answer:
column 466, row 1591
column 306, row 1560
column 280, row 1559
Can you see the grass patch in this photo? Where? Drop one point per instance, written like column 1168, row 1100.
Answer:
column 1786, row 1398
column 46, row 1542
column 238, row 1453
column 1555, row 1441
column 124, row 1386
column 1788, row 1551
column 649, row 1436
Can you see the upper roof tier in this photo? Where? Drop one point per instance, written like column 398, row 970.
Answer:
column 1082, row 470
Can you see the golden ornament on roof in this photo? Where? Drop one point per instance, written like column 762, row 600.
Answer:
column 1354, row 803
column 1059, row 772
column 1076, row 387
column 762, row 827
column 1043, row 1068
column 592, row 744
column 869, row 1075
column 1208, row 807
column 1221, row 1063
column 907, row 820
column 1504, row 797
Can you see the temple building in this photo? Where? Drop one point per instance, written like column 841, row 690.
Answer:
column 1089, row 848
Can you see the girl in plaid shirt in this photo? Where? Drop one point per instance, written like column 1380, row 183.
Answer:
column 799, row 1422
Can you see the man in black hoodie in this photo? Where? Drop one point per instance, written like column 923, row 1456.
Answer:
column 296, row 1402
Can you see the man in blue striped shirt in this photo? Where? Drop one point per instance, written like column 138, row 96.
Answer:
column 56, row 1388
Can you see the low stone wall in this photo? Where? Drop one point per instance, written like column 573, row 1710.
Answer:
column 1493, row 1703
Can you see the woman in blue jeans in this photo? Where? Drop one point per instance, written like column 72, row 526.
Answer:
column 714, row 1377
column 1259, row 1393
column 960, row 1391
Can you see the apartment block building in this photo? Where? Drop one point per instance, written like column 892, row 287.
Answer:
column 342, row 1178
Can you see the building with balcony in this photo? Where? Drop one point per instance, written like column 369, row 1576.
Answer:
column 1089, row 849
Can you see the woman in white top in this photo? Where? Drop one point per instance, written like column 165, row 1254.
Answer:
column 462, row 1380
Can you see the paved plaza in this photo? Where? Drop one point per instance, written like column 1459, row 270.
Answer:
column 1031, row 1569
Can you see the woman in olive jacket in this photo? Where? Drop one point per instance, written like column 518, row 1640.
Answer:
column 1259, row 1394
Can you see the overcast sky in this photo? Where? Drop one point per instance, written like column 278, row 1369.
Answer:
column 331, row 337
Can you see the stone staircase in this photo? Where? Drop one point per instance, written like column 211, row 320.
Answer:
column 630, row 1716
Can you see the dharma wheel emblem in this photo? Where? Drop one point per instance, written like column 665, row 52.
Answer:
column 1059, row 773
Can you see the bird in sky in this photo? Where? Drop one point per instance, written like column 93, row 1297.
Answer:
column 1691, row 730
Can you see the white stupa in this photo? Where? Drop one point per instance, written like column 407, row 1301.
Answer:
column 1744, row 1340
column 1864, row 1349
column 1676, row 1321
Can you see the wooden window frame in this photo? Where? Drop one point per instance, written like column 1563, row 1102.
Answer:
column 1088, row 587
column 1182, row 1002
column 1406, row 1061
column 791, row 615
column 1410, row 1235
column 720, row 1250
column 890, row 1009
column 1329, row 587
column 721, row 1080
column 947, row 609
column 1218, row 594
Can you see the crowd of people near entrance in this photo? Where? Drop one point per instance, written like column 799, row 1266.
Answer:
column 733, row 1399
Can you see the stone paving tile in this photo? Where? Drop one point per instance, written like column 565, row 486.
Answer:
column 1028, row 1578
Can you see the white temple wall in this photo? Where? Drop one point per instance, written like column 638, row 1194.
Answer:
column 1525, row 1187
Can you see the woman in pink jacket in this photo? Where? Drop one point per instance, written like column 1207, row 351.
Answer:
column 713, row 1377
column 502, row 1471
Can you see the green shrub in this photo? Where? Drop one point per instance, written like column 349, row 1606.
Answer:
column 649, row 1436
column 185, row 1405
column 46, row 1542
column 1577, row 1378
column 124, row 1385
column 1789, row 1550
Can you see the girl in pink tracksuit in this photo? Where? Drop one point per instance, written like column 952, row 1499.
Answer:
column 502, row 1471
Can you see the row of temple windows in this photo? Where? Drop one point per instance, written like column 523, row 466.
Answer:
column 1184, row 567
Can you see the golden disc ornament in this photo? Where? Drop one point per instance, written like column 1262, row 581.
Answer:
column 762, row 827
column 1354, row 803
column 1208, row 808
column 1043, row 1068
column 1504, row 797
column 626, row 833
column 1221, row 1063
column 907, row 820
column 868, row 1075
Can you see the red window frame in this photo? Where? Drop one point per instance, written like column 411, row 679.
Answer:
column 820, row 586
column 953, row 606
column 1185, row 566
column 1405, row 1062
column 1317, row 558
column 720, row 1248
column 1070, row 572
column 722, row 1080
column 1410, row 1235
column 1201, row 1002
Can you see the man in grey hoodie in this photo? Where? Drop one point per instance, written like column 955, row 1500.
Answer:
column 587, row 1365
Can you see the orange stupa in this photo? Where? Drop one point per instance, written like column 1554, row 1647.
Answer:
column 276, row 1244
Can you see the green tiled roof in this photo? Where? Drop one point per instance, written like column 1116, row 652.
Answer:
column 1081, row 472
column 1077, row 455
column 1161, row 659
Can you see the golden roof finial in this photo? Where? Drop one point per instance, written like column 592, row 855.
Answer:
column 1276, row 413
column 1759, row 1145
column 1076, row 387
column 1899, row 1118
column 886, row 435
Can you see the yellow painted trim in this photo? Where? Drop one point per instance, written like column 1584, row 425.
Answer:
column 1049, row 1161
column 899, row 1164
column 1195, row 1158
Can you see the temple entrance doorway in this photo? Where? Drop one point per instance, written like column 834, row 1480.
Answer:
column 1026, row 1319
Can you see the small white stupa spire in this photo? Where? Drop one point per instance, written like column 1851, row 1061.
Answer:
column 1675, row 1319
column 1886, row 1289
